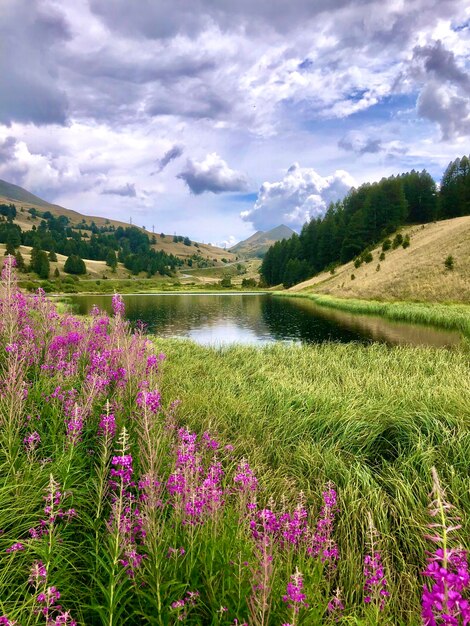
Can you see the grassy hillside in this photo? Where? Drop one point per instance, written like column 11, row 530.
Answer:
column 24, row 200
column 415, row 273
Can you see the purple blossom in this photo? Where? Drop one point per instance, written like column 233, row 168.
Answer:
column 245, row 477
column 335, row 607
column 294, row 527
column 4, row 621
column 323, row 544
column 118, row 306
column 38, row 574
column 16, row 547
column 124, row 469
column 107, row 425
column 150, row 399
column 375, row 584
column 32, row 441
column 445, row 602
column 294, row 597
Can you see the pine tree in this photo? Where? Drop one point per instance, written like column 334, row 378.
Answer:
column 74, row 265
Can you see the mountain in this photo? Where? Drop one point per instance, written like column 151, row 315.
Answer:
column 24, row 200
column 415, row 273
column 258, row 244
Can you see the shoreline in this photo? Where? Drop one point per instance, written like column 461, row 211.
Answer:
column 449, row 316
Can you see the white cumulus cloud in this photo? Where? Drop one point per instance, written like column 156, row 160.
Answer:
column 300, row 196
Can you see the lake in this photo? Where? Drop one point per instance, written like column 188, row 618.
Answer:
column 218, row 319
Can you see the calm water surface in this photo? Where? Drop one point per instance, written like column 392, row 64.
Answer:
column 218, row 319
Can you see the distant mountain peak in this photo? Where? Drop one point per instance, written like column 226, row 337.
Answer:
column 257, row 244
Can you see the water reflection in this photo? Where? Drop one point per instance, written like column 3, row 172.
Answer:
column 261, row 318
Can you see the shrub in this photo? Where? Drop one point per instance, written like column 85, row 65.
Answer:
column 248, row 282
column 352, row 277
column 449, row 262
column 397, row 241
column 367, row 257
column 387, row 244
column 226, row 282
column 406, row 242
column 382, row 256
column 377, row 269
column 357, row 262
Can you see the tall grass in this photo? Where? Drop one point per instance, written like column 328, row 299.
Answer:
column 246, row 502
column 372, row 419
column 452, row 316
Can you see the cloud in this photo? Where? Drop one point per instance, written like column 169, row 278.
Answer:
column 30, row 31
column 227, row 243
column 127, row 191
column 360, row 144
column 301, row 195
column 445, row 106
column 441, row 64
column 212, row 174
column 173, row 153
column 444, row 96
column 8, row 150
column 363, row 143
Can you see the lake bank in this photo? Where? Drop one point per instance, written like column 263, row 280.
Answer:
column 452, row 316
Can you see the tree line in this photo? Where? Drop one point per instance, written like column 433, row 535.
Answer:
column 364, row 217
column 130, row 246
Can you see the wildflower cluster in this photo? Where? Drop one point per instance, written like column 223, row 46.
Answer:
column 447, row 601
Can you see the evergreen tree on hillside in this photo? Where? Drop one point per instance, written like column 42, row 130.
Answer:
column 74, row 265
column 39, row 263
column 111, row 259
column 455, row 189
column 421, row 196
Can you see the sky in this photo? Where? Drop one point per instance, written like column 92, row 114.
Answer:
column 215, row 118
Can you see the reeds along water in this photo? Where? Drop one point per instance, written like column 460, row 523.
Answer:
column 245, row 502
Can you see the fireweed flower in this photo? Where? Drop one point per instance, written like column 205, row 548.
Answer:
column 38, row 574
column 125, row 521
column 32, row 441
column 4, row 621
column 294, row 528
column 335, row 607
column 446, row 602
column 323, row 544
column 118, row 306
column 375, row 582
column 149, row 399
column 107, row 425
column 245, row 478
column 294, row 597
column 16, row 547
column 53, row 512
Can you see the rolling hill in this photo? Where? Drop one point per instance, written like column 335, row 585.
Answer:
column 24, row 200
column 258, row 244
column 415, row 273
